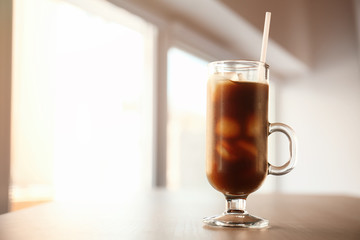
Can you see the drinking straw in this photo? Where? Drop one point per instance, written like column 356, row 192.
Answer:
column 265, row 37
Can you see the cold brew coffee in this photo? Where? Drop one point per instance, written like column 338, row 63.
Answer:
column 237, row 131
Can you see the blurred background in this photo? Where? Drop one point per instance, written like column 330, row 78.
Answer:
column 104, row 98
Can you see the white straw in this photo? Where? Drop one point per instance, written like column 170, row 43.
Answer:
column 265, row 37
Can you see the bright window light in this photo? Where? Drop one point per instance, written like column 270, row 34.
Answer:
column 187, row 77
column 95, row 106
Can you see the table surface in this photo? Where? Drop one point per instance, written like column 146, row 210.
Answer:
column 178, row 215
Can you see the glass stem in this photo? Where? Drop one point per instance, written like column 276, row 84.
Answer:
column 235, row 205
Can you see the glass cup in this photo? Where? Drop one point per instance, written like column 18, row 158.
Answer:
column 237, row 137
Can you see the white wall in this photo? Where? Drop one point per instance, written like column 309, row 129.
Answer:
column 323, row 106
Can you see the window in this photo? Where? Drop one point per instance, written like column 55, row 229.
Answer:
column 187, row 77
column 82, row 101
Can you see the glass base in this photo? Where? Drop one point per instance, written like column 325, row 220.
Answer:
column 241, row 220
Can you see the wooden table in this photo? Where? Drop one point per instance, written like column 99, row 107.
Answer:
column 178, row 215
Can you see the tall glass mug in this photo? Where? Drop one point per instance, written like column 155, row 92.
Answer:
column 237, row 137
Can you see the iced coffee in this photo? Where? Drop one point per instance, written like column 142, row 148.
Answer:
column 237, row 131
column 237, row 135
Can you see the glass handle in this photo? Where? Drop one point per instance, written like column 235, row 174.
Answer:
column 289, row 165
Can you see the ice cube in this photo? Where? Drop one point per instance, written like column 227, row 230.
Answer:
column 241, row 77
column 224, row 76
column 226, row 151
column 247, row 148
column 231, row 75
column 227, row 127
column 254, row 126
column 239, row 150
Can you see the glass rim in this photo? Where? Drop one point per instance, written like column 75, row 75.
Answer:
column 237, row 64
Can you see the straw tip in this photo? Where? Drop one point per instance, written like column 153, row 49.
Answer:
column 265, row 36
